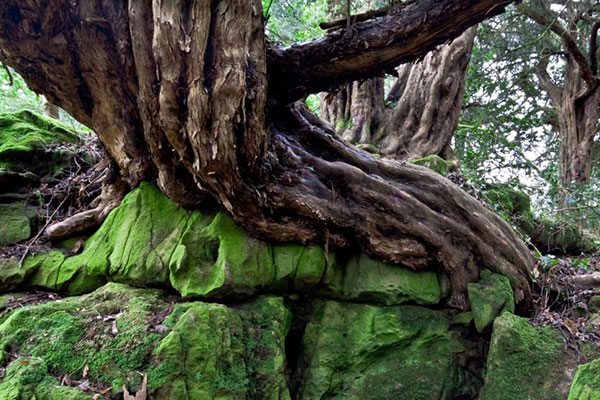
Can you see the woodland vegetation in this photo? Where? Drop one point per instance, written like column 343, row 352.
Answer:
column 362, row 154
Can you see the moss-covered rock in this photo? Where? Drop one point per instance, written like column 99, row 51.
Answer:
column 546, row 234
column 29, row 378
column 354, row 351
column 524, row 362
column 149, row 240
column 32, row 143
column 489, row 298
column 434, row 163
column 366, row 279
column 188, row 351
column 586, row 383
column 15, row 223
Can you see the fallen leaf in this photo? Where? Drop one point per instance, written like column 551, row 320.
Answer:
column 86, row 369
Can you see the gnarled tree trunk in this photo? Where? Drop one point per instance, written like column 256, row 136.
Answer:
column 576, row 101
column 420, row 114
column 178, row 91
column 577, row 122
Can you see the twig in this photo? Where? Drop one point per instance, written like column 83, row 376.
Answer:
column 32, row 241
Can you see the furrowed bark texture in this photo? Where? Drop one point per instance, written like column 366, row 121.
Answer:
column 178, row 91
column 576, row 101
column 420, row 114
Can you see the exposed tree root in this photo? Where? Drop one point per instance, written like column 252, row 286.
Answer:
column 111, row 197
column 586, row 281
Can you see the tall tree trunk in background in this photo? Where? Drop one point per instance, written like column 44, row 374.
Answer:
column 177, row 92
column 354, row 109
column 578, row 125
column 420, row 114
column 577, row 114
column 576, row 101
column 428, row 98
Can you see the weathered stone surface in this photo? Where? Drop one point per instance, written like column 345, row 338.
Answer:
column 149, row 240
column 525, row 362
column 489, row 298
column 586, row 383
column 354, row 351
column 31, row 143
column 15, row 223
column 188, row 351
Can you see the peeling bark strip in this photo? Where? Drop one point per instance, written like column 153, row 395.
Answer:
column 178, row 90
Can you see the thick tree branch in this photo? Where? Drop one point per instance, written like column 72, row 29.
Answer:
column 553, row 90
column 372, row 47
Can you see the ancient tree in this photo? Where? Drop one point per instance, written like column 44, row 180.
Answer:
column 419, row 114
column 575, row 95
column 191, row 95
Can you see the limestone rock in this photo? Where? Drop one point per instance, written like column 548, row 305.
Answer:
column 489, row 298
column 188, row 350
column 525, row 362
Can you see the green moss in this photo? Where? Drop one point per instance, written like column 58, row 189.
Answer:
column 434, row 163
column 24, row 140
column 586, row 383
column 524, row 362
column 546, row 234
column 201, row 351
column 15, row 223
column 562, row 237
column 27, row 379
column 366, row 279
column 353, row 351
column 491, row 296
column 149, row 240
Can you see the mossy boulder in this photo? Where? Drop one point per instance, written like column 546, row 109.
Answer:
column 548, row 235
column 188, row 351
column 149, row 240
column 15, row 223
column 586, row 383
column 524, row 362
column 357, row 351
column 434, row 163
column 31, row 143
column 491, row 296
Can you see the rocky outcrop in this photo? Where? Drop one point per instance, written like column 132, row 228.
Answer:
column 97, row 344
column 233, row 317
column 149, row 240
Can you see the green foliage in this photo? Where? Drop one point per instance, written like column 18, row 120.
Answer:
column 293, row 21
column 16, row 96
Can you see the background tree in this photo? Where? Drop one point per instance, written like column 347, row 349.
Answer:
column 191, row 95
column 418, row 115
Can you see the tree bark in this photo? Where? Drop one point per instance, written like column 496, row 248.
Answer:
column 178, row 92
column 576, row 102
column 577, row 126
column 421, row 111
